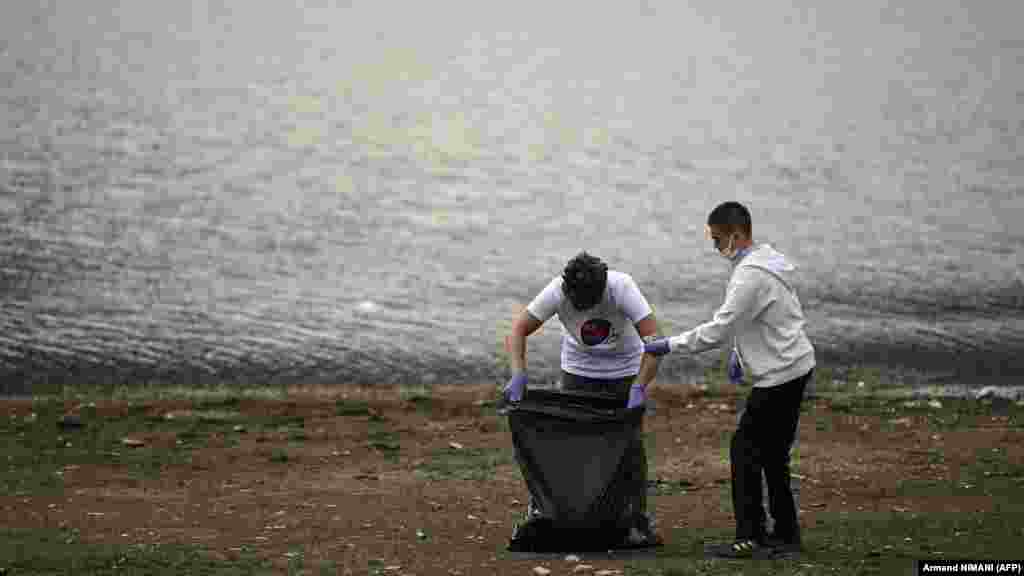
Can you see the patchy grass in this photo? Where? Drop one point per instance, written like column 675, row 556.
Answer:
column 279, row 456
column 350, row 407
column 38, row 449
column 879, row 543
column 384, row 440
column 53, row 551
column 882, row 543
column 464, row 463
column 840, row 537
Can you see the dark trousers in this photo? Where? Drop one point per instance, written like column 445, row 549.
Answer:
column 761, row 444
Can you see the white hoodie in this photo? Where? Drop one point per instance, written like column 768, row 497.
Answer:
column 762, row 313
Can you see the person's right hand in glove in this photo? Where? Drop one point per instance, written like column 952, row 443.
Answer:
column 513, row 391
column 734, row 368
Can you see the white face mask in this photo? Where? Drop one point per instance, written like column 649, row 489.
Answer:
column 727, row 253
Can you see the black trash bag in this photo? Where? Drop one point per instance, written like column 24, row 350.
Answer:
column 580, row 454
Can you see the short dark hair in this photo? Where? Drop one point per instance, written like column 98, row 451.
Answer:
column 731, row 216
column 584, row 280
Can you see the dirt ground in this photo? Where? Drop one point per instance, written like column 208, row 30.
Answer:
column 345, row 500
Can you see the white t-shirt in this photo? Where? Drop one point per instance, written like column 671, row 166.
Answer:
column 602, row 341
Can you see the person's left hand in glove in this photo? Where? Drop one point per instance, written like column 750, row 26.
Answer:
column 734, row 368
column 637, row 396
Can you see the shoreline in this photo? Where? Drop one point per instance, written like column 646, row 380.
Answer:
column 483, row 392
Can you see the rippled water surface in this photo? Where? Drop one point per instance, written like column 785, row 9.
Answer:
column 367, row 192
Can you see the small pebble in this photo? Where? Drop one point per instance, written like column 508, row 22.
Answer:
column 541, row 571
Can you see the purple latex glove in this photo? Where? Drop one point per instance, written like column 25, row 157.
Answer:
column 516, row 385
column 734, row 368
column 637, row 396
column 657, row 347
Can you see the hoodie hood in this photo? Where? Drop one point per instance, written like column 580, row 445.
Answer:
column 770, row 260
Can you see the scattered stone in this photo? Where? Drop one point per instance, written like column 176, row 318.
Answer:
column 455, row 445
column 902, row 421
column 421, row 534
column 608, row 573
column 580, row 568
column 911, row 404
column 471, row 517
column 935, row 404
column 132, row 442
column 541, row 571
column 860, row 384
column 572, row 558
column 516, row 502
column 986, row 392
column 239, row 428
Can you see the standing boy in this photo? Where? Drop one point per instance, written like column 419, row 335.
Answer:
column 763, row 321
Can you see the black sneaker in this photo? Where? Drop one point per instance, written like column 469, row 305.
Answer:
column 784, row 546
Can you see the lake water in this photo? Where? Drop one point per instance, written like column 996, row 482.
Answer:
column 369, row 191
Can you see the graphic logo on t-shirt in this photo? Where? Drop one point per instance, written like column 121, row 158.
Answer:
column 595, row 331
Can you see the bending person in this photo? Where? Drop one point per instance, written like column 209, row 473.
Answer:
column 604, row 319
